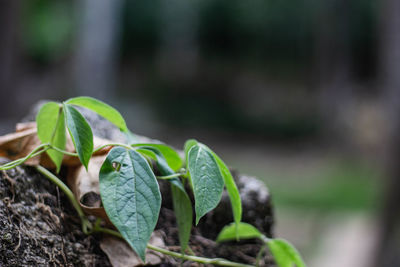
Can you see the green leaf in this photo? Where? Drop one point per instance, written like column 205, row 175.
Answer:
column 181, row 201
column 148, row 154
column 172, row 157
column 101, row 108
column 51, row 129
column 241, row 231
column 206, row 178
column 183, row 213
column 284, row 253
column 81, row 133
column 131, row 196
column 232, row 189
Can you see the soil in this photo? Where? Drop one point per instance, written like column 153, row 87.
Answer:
column 39, row 227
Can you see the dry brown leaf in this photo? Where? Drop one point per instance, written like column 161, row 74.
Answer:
column 85, row 186
column 121, row 254
column 18, row 145
column 21, row 126
column 24, row 140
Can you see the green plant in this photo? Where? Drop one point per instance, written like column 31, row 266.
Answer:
column 128, row 183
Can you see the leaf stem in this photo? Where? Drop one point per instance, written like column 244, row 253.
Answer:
column 64, row 151
column 86, row 225
column 112, row 144
column 167, row 177
column 215, row 261
column 260, row 254
column 94, row 151
column 37, row 151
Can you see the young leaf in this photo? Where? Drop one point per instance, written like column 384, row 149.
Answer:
column 206, row 178
column 131, row 196
column 101, row 108
column 180, row 199
column 241, row 231
column 172, row 157
column 231, row 187
column 51, row 129
column 184, row 214
column 285, row 255
column 81, row 133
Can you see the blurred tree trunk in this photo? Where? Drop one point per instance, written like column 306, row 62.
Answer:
column 179, row 49
column 9, row 28
column 389, row 243
column 97, row 47
column 333, row 66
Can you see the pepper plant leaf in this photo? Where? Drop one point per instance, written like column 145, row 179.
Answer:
column 51, row 129
column 241, row 231
column 231, row 187
column 131, row 196
column 81, row 133
column 285, row 255
column 172, row 157
column 188, row 145
column 207, row 180
column 184, row 214
column 101, row 108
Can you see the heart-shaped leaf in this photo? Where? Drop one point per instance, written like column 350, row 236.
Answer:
column 51, row 129
column 241, row 231
column 81, row 133
column 207, row 180
column 285, row 255
column 131, row 196
column 101, row 108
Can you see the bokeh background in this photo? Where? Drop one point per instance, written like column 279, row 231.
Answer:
column 302, row 94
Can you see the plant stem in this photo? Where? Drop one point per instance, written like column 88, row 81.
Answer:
column 260, row 254
column 216, row 261
column 33, row 153
column 169, row 176
column 64, row 151
column 43, row 147
column 113, row 144
column 94, row 151
column 85, row 222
